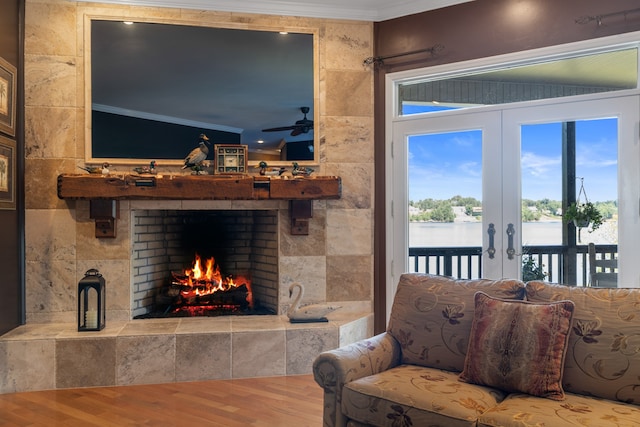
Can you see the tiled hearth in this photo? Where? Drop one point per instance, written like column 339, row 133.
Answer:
column 52, row 356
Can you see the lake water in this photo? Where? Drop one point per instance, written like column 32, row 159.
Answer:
column 470, row 233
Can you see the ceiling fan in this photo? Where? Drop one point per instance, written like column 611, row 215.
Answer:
column 303, row 125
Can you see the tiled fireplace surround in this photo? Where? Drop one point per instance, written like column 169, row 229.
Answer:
column 47, row 352
column 55, row 355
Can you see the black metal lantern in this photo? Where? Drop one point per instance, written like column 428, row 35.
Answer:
column 91, row 302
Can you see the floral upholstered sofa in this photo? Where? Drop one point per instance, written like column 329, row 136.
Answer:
column 491, row 353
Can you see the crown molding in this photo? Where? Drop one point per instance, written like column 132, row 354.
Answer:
column 361, row 10
column 390, row 10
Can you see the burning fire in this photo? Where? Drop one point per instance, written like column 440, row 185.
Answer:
column 200, row 282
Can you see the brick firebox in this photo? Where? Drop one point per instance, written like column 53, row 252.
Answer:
column 242, row 242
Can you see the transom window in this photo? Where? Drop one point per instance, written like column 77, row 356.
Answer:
column 548, row 78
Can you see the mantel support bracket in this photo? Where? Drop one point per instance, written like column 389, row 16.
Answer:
column 105, row 212
column 300, row 211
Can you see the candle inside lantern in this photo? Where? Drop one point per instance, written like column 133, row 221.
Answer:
column 91, row 319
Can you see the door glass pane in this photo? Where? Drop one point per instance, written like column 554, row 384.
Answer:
column 541, row 163
column 445, row 203
column 595, row 180
column 597, row 170
column 578, row 75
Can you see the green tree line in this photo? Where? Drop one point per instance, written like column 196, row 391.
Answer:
column 532, row 210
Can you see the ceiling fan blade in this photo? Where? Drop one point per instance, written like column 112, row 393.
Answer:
column 279, row 129
column 301, row 126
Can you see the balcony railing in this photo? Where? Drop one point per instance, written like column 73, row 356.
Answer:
column 466, row 262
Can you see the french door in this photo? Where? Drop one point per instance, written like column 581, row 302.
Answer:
column 607, row 141
column 485, row 147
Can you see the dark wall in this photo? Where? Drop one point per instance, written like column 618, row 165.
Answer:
column 472, row 30
column 130, row 137
column 12, row 221
column 484, row 28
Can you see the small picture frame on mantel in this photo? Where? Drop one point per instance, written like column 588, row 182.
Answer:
column 230, row 158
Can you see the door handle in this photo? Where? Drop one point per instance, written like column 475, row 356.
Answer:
column 491, row 231
column 510, row 249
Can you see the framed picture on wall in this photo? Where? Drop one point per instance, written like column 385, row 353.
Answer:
column 7, row 98
column 230, row 158
column 7, row 173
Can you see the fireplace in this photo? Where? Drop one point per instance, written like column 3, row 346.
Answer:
column 242, row 245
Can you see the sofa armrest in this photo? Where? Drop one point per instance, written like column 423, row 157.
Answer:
column 333, row 369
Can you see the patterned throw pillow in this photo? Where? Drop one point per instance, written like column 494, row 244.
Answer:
column 518, row 346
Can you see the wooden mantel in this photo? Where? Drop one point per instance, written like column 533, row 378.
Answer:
column 203, row 187
column 104, row 192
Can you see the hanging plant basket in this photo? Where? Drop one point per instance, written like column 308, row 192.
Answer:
column 583, row 223
column 583, row 214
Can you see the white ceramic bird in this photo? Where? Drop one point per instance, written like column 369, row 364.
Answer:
column 198, row 154
column 307, row 313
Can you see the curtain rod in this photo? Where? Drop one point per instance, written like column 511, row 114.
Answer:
column 599, row 18
column 377, row 61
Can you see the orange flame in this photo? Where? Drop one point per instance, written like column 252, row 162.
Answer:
column 206, row 281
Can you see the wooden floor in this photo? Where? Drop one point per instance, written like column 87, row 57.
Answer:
column 294, row 401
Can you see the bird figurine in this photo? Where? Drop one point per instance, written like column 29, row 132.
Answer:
column 308, row 313
column 298, row 171
column 102, row 169
column 198, row 155
column 151, row 169
column 267, row 171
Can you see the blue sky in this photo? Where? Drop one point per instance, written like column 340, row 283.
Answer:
column 445, row 165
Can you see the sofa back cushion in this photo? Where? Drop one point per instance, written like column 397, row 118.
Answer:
column 431, row 316
column 603, row 355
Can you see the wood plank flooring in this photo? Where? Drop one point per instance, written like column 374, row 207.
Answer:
column 293, row 401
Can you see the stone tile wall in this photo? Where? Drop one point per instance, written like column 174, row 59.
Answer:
column 335, row 261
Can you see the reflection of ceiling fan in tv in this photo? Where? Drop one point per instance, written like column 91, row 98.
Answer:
column 301, row 126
